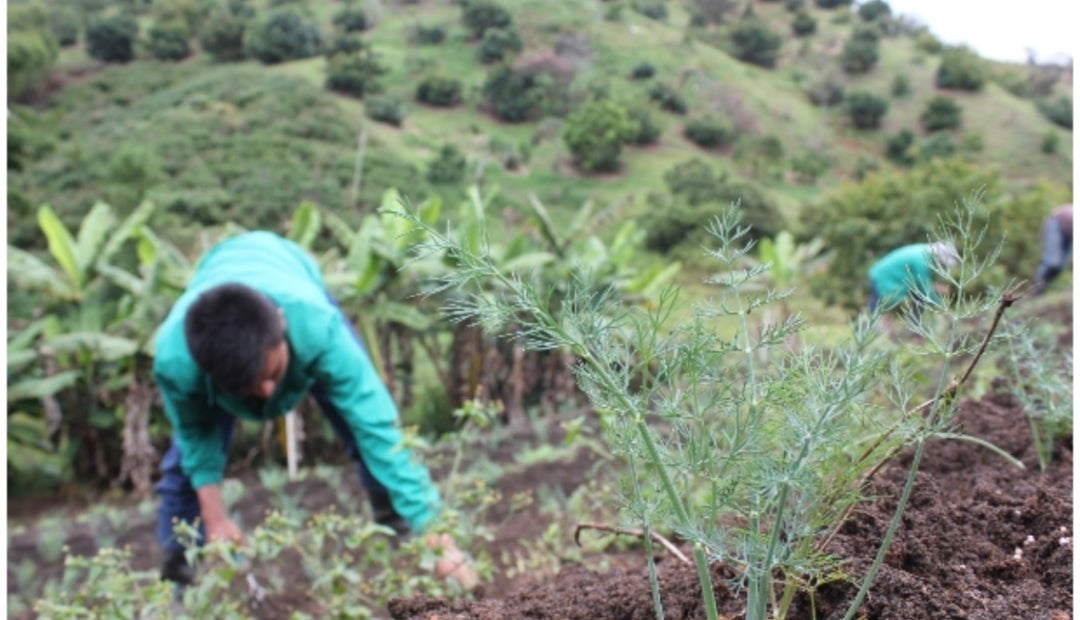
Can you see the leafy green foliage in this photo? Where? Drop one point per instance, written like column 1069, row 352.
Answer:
column 498, row 44
column 64, row 24
column 898, row 147
column 511, row 95
column 169, row 41
column 448, row 167
column 866, row 109
column 962, row 69
column 832, row 4
column 941, row 113
column 353, row 67
column 803, row 25
column 861, row 51
column 649, row 129
column 709, row 131
column 439, row 90
column 222, row 34
column 1058, row 110
column 350, row 19
column 652, row 9
column 754, row 42
column 385, row 109
column 668, row 98
column 642, row 71
column 427, row 34
column 280, row 36
column 481, row 15
column 809, row 166
column 112, row 39
column 873, row 9
column 596, row 134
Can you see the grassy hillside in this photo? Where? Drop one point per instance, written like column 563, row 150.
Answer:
column 301, row 138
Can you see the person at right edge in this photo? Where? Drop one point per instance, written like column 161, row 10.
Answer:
column 1056, row 247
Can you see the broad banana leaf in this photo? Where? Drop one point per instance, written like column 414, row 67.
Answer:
column 61, row 245
column 42, row 386
column 106, row 347
column 29, row 272
column 93, row 231
column 306, row 222
column 409, row 316
column 131, row 226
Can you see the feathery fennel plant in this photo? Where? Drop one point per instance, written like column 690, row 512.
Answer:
column 750, row 451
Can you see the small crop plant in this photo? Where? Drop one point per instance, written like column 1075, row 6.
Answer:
column 747, row 449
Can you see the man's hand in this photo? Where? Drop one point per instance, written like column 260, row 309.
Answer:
column 453, row 563
column 218, row 524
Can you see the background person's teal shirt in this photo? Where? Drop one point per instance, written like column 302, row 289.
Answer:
column 900, row 271
column 321, row 348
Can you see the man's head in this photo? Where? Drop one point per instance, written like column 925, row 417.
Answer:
column 237, row 336
column 945, row 254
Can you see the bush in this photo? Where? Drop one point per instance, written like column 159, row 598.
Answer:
column 427, row 35
column 509, row 94
column 30, row 57
column 352, row 67
column 448, row 168
column 497, row 44
column 860, row 52
column 794, row 6
column 652, row 9
column 112, row 39
column 596, row 134
column 832, row 4
column 901, row 86
column 64, row 24
column 385, row 109
column 170, row 41
column 937, row 146
column 1058, row 111
column 870, row 11
column 708, row 131
column 642, row 71
column 350, row 19
column 481, row 15
column 898, row 148
column 962, row 69
column 648, row 129
column 809, row 166
column 439, row 90
column 802, row 25
column 667, row 98
column 281, row 36
column 940, row 113
column 827, row 93
column 1049, row 144
column 755, row 43
column 222, row 34
column 866, row 109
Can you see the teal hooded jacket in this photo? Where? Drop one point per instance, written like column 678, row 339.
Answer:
column 322, row 348
column 903, row 270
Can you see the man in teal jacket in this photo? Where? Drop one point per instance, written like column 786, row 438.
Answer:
column 907, row 272
column 255, row 331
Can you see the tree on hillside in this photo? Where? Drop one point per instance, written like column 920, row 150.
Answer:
column 715, row 11
column 940, row 113
column 961, row 68
column 861, row 51
column 352, row 67
column 222, row 34
column 112, row 39
column 31, row 49
column 480, row 15
column 866, row 109
column 281, row 36
column 755, row 43
column 169, row 41
column 596, row 134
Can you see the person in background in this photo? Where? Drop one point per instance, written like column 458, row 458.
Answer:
column 1057, row 231
column 255, row 331
column 907, row 273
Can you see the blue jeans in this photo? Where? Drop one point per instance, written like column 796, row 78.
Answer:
column 180, row 502
column 1057, row 246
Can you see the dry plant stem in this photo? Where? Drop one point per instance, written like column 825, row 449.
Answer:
column 667, row 544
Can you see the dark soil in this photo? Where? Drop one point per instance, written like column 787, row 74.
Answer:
column 981, row 539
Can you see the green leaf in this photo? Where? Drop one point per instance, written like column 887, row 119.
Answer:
column 61, row 245
column 306, row 222
column 105, row 346
column 368, row 277
column 29, row 272
column 409, row 316
column 130, row 227
column 547, row 227
column 528, row 262
column 121, row 278
column 341, row 230
column 94, row 229
column 649, row 283
column 17, row 360
column 41, row 387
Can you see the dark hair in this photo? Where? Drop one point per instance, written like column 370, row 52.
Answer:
column 229, row 329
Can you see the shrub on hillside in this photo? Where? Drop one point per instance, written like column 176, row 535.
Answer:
column 861, row 51
column 901, row 86
column 222, row 33
column 427, row 35
column 667, row 98
column 941, row 113
column 642, row 71
column 169, row 41
column 961, row 68
column 827, row 92
column 112, row 39
column 352, row 67
column 870, row 11
column 794, row 6
column 832, row 4
column 448, row 167
column 511, row 95
column 809, row 166
column 652, row 9
column 1049, row 144
column 1058, row 111
column 281, row 36
column 898, row 147
column 649, row 129
column 596, row 134
column 866, row 109
column 31, row 49
column 481, row 15
column 350, row 19
column 754, row 42
column 498, row 44
column 696, row 193
column 802, row 25
column 439, row 90
column 191, row 13
column 709, row 131
column 936, row 146
column 64, row 24
column 385, row 109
